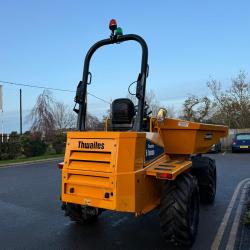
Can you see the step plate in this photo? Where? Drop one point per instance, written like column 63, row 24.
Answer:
column 170, row 167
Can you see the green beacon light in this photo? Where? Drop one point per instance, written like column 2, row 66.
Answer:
column 119, row 31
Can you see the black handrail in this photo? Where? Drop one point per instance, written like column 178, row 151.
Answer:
column 141, row 84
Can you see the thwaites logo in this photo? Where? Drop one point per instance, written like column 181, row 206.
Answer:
column 90, row 145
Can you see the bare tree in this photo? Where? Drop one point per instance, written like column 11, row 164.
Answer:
column 48, row 115
column 172, row 111
column 41, row 115
column 64, row 116
column 232, row 105
column 93, row 123
column 196, row 109
column 152, row 102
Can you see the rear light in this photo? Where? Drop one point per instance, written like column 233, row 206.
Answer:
column 60, row 165
column 234, row 142
column 165, row 176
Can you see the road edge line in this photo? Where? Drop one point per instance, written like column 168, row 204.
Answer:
column 220, row 232
column 236, row 222
column 10, row 165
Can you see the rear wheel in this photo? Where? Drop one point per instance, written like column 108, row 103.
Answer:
column 204, row 169
column 179, row 210
column 81, row 214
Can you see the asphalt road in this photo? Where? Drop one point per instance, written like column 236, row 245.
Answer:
column 31, row 218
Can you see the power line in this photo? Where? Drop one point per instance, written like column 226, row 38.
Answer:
column 49, row 88
column 36, row 86
column 98, row 98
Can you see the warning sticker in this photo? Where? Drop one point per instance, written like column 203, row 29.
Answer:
column 183, row 124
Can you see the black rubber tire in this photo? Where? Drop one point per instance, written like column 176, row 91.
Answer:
column 204, row 169
column 179, row 210
column 78, row 214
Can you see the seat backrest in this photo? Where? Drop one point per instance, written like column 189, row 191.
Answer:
column 123, row 112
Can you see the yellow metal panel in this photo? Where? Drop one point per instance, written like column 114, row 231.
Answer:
column 81, row 172
column 147, row 192
column 88, row 165
column 90, row 156
column 130, row 158
column 93, row 171
column 125, row 192
column 94, row 202
column 185, row 137
column 91, row 181
column 88, row 189
column 103, row 135
column 91, row 145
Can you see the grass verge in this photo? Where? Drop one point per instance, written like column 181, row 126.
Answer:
column 30, row 159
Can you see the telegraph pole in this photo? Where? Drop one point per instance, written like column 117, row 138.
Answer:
column 21, row 113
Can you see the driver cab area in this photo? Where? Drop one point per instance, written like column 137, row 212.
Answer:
column 125, row 116
column 123, row 112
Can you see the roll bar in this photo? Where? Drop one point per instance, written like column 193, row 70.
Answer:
column 81, row 93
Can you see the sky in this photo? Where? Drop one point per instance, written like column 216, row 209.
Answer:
column 45, row 42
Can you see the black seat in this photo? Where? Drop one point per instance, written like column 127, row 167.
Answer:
column 123, row 112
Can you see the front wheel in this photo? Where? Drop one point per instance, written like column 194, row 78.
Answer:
column 179, row 210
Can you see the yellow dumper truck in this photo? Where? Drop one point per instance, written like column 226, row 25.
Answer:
column 139, row 163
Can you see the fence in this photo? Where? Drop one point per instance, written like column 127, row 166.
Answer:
column 227, row 141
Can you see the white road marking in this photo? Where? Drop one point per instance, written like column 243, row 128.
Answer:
column 224, row 153
column 222, row 227
column 236, row 222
